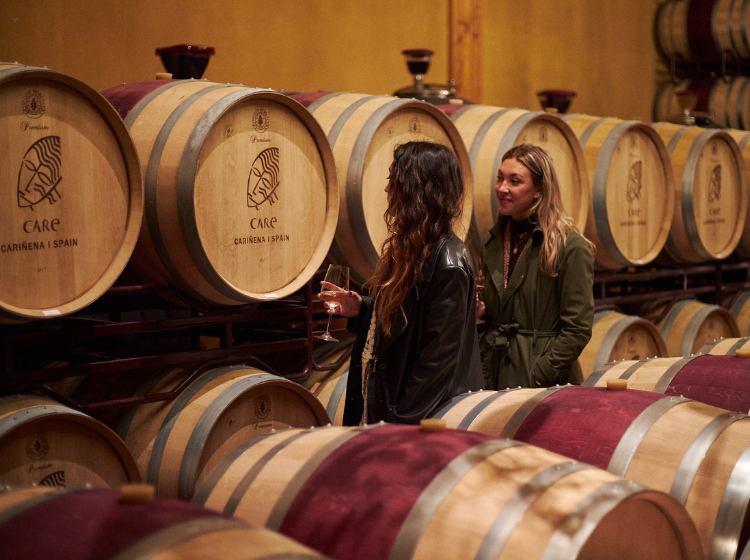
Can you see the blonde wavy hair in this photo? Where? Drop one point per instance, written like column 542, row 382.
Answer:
column 548, row 209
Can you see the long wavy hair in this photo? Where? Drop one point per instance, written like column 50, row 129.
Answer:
column 425, row 198
column 548, row 209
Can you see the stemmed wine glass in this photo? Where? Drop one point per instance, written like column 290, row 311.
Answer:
column 338, row 276
column 479, row 276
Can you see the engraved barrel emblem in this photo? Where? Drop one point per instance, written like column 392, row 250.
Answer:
column 39, row 175
column 415, row 127
column 54, row 480
column 634, row 182
column 37, row 446
column 262, row 407
column 33, row 104
column 264, row 179
column 714, row 186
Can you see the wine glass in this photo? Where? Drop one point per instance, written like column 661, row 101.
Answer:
column 339, row 277
column 479, row 275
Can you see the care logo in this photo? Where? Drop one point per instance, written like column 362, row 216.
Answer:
column 542, row 134
column 262, row 407
column 54, row 480
column 260, row 120
column 39, row 175
column 415, row 127
column 37, row 446
column 714, row 185
column 264, row 179
column 32, row 104
column 634, row 182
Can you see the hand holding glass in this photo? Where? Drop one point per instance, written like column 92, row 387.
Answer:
column 335, row 285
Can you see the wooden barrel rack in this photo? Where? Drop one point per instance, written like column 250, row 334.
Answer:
column 43, row 356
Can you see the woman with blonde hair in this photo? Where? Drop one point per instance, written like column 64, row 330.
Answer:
column 416, row 344
column 538, row 302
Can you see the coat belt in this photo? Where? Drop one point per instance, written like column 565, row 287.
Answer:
column 499, row 338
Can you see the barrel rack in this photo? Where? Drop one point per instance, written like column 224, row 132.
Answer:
column 106, row 344
column 111, row 342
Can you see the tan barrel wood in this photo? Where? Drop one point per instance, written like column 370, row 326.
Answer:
column 719, row 102
column 739, row 307
column 680, row 38
column 689, row 325
column 511, row 501
column 711, row 195
column 176, row 443
column 739, row 22
column 631, row 179
column 363, row 131
column 721, row 25
column 73, row 194
column 677, row 433
column 664, row 28
column 742, row 138
column 329, row 386
column 188, row 535
column 489, row 132
column 211, row 227
column 726, row 346
column 45, row 443
column 618, row 337
column 666, row 106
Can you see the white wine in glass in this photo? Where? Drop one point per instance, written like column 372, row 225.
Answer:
column 339, row 277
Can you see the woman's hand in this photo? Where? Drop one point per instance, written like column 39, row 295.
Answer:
column 480, row 310
column 348, row 303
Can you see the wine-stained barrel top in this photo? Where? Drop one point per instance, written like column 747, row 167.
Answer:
column 72, row 194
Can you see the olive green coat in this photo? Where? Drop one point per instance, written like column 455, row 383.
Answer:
column 536, row 329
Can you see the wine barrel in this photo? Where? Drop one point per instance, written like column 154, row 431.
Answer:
column 689, row 324
column 176, row 443
column 703, row 29
column 726, row 100
column 698, row 453
column 364, row 130
column 743, row 143
column 631, row 178
column 739, row 307
column 489, row 132
column 722, row 381
column 104, row 524
column 666, row 106
column 45, row 443
column 73, row 194
column 329, row 386
column 241, row 189
column 616, row 336
column 434, row 495
column 726, row 346
column 711, row 195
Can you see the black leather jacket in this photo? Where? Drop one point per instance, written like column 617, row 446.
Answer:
column 429, row 358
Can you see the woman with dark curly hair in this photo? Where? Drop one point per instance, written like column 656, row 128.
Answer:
column 416, row 343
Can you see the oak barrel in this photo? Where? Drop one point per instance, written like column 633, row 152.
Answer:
column 329, row 385
column 703, row 29
column 710, row 194
column 72, row 194
column 726, row 346
column 489, row 132
column 698, row 453
column 616, row 336
column 433, row 495
column 45, row 443
column 742, row 138
column 632, row 182
column 363, row 131
column 726, row 100
column 722, row 381
column 40, row 523
column 176, row 443
column 689, row 324
column 241, row 189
